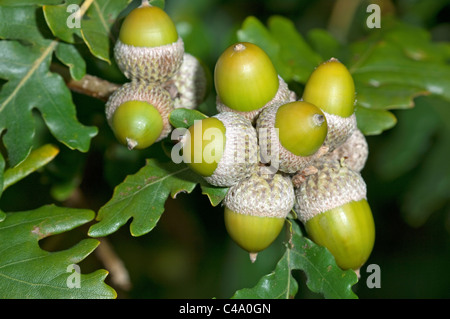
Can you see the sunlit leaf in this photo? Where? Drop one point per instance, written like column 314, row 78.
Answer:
column 37, row 158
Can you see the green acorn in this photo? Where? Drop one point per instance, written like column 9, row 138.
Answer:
column 149, row 47
column 222, row 148
column 291, row 135
column 256, row 209
column 138, row 114
column 331, row 88
column 246, row 81
column 332, row 204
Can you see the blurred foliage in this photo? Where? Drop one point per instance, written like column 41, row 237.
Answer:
column 189, row 254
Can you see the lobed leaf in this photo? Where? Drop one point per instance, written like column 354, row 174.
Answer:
column 30, row 86
column 27, row 271
column 323, row 275
column 141, row 197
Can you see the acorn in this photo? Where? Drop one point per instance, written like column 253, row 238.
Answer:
column 138, row 114
column 246, row 81
column 149, row 47
column 189, row 87
column 354, row 151
column 332, row 204
column 222, row 148
column 331, row 88
column 256, row 209
column 291, row 135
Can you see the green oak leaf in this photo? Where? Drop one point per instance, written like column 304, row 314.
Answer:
column 31, row 86
column 27, row 271
column 61, row 20
column 142, row 197
column 28, row 2
column 323, row 275
column 424, row 152
column 69, row 55
column 2, row 167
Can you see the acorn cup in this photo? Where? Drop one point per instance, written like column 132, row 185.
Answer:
column 138, row 114
column 354, row 151
column 149, row 47
column 222, row 148
column 332, row 205
column 256, row 209
column 291, row 135
column 246, row 81
column 189, row 87
column 331, row 88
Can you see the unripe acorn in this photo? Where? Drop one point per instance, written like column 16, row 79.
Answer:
column 256, row 209
column 222, row 148
column 138, row 114
column 246, row 81
column 189, row 87
column 331, row 88
column 291, row 135
column 332, row 204
column 149, row 47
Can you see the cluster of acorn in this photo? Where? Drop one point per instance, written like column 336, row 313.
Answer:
column 276, row 153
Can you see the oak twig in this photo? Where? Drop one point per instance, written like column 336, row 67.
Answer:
column 89, row 85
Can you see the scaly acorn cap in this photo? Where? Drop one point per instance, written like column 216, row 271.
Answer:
column 354, row 151
column 332, row 186
column 339, row 129
column 240, row 155
column 151, row 64
column 283, row 95
column 256, row 207
column 189, row 86
column 262, row 194
column 272, row 151
column 142, row 91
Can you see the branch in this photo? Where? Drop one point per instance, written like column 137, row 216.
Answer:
column 89, row 85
